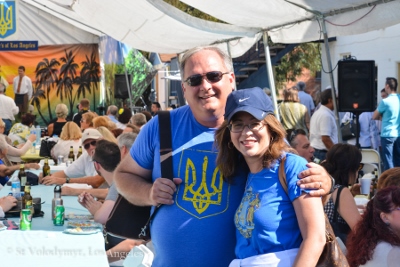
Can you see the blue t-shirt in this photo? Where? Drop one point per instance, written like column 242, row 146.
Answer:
column 3, row 179
column 197, row 230
column 390, row 109
column 266, row 220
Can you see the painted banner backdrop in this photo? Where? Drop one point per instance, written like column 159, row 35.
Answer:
column 114, row 55
column 59, row 74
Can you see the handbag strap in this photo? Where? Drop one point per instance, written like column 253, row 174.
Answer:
column 335, row 212
column 282, row 175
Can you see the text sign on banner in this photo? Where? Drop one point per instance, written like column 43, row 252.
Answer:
column 19, row 45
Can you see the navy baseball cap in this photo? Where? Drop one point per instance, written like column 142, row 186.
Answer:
column 253, row 100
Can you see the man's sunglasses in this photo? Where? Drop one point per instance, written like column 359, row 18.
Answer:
column 93, row 143
column 212, row 77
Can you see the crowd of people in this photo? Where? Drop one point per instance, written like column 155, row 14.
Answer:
column 226, row 204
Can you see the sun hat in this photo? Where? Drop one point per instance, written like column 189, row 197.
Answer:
column 91, row 134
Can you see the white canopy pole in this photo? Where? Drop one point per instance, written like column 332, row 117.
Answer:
column 328, row 58
column 270, row 74
column 229, row 53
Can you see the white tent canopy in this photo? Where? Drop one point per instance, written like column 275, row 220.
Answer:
column 295, row 21
column 153, row 25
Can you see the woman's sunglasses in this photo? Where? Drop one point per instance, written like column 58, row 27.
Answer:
column 212, row 77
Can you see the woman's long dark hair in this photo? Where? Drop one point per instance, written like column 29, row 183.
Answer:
column 341, row 161
column 371, row 228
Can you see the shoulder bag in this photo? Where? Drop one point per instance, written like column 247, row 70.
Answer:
column 128, row 221
column 16, row 211
column 341, row 230
column 45, row 147
column 348, row 130
column 332, row 255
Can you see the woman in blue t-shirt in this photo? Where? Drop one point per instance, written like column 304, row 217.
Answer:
column 273, row 228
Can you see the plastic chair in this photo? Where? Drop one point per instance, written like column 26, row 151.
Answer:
column 371, row 156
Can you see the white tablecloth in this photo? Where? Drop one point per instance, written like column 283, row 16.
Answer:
column 51, row 248
column 46, row 245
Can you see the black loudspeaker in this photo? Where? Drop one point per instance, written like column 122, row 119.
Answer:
column 120, row 86
column 357, row 90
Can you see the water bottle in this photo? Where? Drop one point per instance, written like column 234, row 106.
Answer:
column 33, row 130
column 16, row 188
column 38, row 134
column 33, row 148
column 57, row 200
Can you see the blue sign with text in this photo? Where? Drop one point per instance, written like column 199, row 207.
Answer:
column 19, row 45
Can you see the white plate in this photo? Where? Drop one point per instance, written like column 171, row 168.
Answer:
column 82, row 231
column 72, row 216
column 83, row 224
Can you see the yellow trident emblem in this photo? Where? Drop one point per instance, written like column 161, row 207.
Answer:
column 202, row 196
column 6, row 19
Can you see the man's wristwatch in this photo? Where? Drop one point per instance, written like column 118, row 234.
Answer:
column 67, row 180
column 332, row 186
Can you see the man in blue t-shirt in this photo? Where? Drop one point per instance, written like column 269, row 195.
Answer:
column 389, row 111
column 195, row 225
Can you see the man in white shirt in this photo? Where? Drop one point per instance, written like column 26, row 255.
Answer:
column 22, row 90
column 81, row 170
column 369, row 133
column 7, row 109
column 323, row 129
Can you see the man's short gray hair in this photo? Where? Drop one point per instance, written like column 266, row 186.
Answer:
column 126, row 140
column 113, row 110
column 139, row 119
column 227, row 61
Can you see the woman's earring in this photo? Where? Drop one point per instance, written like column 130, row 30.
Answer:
column 387, row 223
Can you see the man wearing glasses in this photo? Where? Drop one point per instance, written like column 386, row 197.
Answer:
column 195, row 225
column 81, row 170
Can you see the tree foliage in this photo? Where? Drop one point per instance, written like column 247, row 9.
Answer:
column 191, row 10
column 306, row 55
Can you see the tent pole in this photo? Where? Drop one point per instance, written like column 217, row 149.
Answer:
column 229, row 53
column 127, row 80
column 270, row 74
column 328, row 58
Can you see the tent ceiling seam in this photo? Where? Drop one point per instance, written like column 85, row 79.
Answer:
column 63, row 15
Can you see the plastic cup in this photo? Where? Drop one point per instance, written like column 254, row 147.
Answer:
column 365, row 186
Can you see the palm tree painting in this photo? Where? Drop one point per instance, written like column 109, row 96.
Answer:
column 90, row 73
column 46, row 78
column 67, row 78
column 37, row 95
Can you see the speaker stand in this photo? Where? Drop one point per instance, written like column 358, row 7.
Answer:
column 357, row 124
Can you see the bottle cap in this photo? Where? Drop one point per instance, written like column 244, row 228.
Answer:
column 57, row 189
